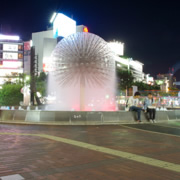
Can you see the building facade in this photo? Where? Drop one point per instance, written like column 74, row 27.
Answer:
column 11, row 58
column 46, row 41
column 135, row 67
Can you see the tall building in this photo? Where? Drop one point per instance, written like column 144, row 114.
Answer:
column 44, row 44
column 11, row 57
column 64, row 26
column 134, row 66
column 45, row 41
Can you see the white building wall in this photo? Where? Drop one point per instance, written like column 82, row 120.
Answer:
column 38, row 39
column 135, row 67
column 45, row 43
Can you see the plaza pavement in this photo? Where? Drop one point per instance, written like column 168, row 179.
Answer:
column 118, row 152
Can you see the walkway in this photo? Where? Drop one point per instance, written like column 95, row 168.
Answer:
column 120, row 152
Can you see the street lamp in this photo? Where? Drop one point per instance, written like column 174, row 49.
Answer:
column 27, row 78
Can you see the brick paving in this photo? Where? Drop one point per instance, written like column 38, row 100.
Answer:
column 39, row 158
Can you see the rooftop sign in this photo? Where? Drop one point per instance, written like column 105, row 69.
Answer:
column 63, row 26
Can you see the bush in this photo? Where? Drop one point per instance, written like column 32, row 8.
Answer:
column 10, row 95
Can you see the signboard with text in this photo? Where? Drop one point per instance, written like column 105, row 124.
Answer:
column 10, row 56
column 10, row 47
column 11, row 64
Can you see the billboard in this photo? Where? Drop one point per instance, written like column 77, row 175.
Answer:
column 7, row 37
column 10, row 47
column 11, row 64
column 27, row 46
column 10, row 56
column 117, row 48
column 63, row 26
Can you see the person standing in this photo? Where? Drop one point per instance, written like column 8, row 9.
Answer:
column 133, row 104
column 150, row 107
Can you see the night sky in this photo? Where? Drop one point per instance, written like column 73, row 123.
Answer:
column 149, row 29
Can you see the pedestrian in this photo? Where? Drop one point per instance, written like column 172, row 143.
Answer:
column 150, row 107
column 133, row 104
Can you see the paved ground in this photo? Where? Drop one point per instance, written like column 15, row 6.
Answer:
column 119, row 152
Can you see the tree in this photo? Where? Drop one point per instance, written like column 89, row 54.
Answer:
column 143, row 86
column 125, row 79
column 41, row 83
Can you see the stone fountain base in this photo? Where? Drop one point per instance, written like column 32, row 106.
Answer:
column 79, row 117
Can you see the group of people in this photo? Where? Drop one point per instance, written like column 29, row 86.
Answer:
column 149, row 106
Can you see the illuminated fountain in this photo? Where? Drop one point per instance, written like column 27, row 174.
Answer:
column 82, row 76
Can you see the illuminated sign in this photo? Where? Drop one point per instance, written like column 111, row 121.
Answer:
column 85, row 29
column 63, row 26
column 20, row 56
column 7, row 55
column 6, row 71
column 7, row 37
column 117, row 47
column 10, row 47
column 53, row 17
column 27, row 46
column 11, row 64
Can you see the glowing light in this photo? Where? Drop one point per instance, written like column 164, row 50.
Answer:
column 63, row 26
column 159, row 82
column 107, row 96
column 117, row 47
column 5, row 72
column 10, row 47
column 53, row 17
column 12, row 64
column 38, row 94
column 10, row 55
column 46, row 64
column 118, row 65
column 27, row 78
column 31, row 43
column 85, row 29
column 7, row 37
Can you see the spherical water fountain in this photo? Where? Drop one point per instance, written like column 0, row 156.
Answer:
column 82, row 75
